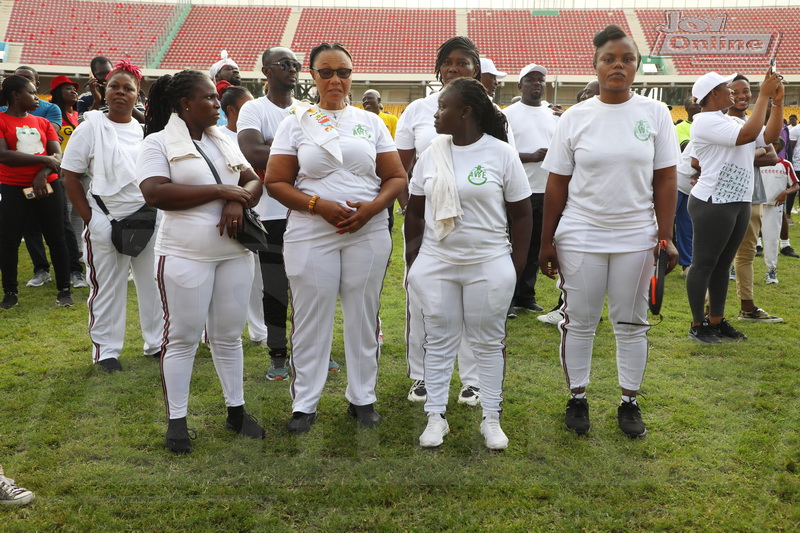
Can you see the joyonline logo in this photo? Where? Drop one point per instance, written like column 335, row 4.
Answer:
column 707, row 36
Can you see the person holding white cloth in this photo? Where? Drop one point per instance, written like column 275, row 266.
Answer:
column 337, row 170
column 105, row 147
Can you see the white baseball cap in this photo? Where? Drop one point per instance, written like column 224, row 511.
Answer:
column 487, row 67
column 708, row 82
column 533, row 67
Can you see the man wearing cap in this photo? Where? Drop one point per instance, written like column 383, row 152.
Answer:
column 225, row 70
column 532, row 123
column 490, row 75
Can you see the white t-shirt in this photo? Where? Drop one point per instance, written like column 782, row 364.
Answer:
column 362, row 135
column 533, row 129
column 265, row 117
column 776, row 179
column 686, row 172
column 415, row 129
column 611, row 151
column 190, row 233
column 794, row 135
column 726, row 169
column 79, row 158
column 488, row 175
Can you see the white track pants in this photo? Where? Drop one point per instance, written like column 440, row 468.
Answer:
column 107, row 273
column 771, row 220
column 352, row 267
column 194, row 294
column 256, row 327
column 472, row 298
column 585, row 279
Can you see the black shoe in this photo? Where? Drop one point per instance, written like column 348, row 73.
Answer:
column 10, row 299
column 788, row 251
column 365, row 414
column 577, row 415
column 512, row 313
column 64, row 298
column 156, row 355
column 179, row 438
column 244, row 424
column 301, row 422
column 759, row 251
column 110, row 365
column 530, row 306
column 629, row 417
column 726, row 332
column 704, row 333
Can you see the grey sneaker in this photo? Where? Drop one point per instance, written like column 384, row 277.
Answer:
column 40, row 277
column 78, row 281
column 11, row 493
column 278, row 370
column 333, row 366
column 759, row 315
column 772, row 277
column 64, row 299
column 732, row 274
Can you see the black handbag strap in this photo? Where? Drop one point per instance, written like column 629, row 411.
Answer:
column 103, row 207
column 210, row 164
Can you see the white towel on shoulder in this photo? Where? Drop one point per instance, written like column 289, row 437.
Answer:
column 180, row 145
column 112, row 167
column 319, row 128
column 444, row 199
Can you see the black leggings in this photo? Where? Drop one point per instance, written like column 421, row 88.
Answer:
column 718, row 232
column 276, row 287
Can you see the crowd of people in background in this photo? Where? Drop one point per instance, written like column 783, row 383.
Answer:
column 587, row 196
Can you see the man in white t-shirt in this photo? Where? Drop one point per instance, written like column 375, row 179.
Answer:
column 533, row 124
column 257, row 124
column 490, row 75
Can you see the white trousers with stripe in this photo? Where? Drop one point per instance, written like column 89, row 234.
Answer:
column 107, row 274
column 469, row 302
column 195, row 294
column 771, row 221
column 256, row 328
column 585, row 279
column 352, row 267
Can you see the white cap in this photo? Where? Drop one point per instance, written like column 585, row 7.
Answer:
column 487, row 67
column 216, row 67
column 707, row 82
column 533, row 67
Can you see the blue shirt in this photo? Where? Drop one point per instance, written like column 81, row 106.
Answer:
column 46, row 110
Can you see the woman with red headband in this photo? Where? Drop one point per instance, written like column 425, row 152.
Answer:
column 105, row 146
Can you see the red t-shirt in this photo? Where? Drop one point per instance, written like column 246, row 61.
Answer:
column 29, row 135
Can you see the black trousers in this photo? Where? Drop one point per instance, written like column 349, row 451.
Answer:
column 33, row 242
column 276, row 287
column 525, row 291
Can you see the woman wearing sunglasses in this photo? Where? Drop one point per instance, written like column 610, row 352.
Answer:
column 337, row 170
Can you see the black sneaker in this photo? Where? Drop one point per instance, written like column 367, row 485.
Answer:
column 577, row 415
column 10, row 299
column 366, row 415
column 629, row 417
column 759, row 251
column 704, row 334
column 726, row 332
column 179, row 439
column 788, row 251
column 530, row 306
column 301, row 422
column 512, row 313
column 110, row 365
column 64, row 298
column 246, row 426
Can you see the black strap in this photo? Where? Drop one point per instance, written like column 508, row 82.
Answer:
column 102, row 206
column 210, row 164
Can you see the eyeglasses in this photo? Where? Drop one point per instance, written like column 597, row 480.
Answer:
column 327, row 73
column 286, row 64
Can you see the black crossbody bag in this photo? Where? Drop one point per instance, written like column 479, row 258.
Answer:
column 252, row 235
column 131, row 234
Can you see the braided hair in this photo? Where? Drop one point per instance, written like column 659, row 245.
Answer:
column 612, row 32
column 165, row 96
column 324, row 47
column 458, row 43
column 490, row 120
column 12, row 84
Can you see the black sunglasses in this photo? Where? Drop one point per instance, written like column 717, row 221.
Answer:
column 286, row 64
column 327, row 73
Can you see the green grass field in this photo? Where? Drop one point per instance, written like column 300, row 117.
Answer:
column 721, row 452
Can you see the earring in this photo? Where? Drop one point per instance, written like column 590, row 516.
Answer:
column 187, row 109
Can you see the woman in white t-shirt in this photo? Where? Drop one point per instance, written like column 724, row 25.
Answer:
column 720, row 202
column 610, row 199
column 337, row 170
column 105, row 147
column 467, row 186
column 204, row 274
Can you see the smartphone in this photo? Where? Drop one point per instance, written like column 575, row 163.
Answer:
column 28, row 192
column 772, row 65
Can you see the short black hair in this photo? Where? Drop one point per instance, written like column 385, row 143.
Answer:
column 97, row 61
column 26, row 67
column 612, row 32
column 740, row 77
column 324, row 47
column 12, row 84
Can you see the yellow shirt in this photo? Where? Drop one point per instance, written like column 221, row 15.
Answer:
column 390, row 121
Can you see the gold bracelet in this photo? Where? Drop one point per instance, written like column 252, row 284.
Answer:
column 311, row 204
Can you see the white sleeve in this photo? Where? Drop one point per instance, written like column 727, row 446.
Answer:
column 152, row 160
column 715, row 130
column 404, row 135
column 667, row 150
column 286, row 141
column 249, row 117
column 417, row 186
column 79, row 150
column 383, row 140
column 794, row 134
column 515, row 180
column 560, row 158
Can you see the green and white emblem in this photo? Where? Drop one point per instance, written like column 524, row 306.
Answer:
column 642, row 131
column 361, row 131
column 477, row 176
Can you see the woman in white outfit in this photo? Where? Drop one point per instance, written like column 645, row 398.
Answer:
column 204, row 274
column 610, row 198
column 105, row 147
column 337, row 170
column 466, row 188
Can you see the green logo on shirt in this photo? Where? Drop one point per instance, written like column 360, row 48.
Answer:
column 361, row 131
column 477, row 176
column 642, row 131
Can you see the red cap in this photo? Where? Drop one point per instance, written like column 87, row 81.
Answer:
column 58, row 81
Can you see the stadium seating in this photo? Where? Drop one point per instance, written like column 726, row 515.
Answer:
column 380, row 40
column 562, row 42
column 245, row 32
column 72, row 32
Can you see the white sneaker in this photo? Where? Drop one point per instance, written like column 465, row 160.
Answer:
column 39, row 278
column 418, row 392
column 434, row 433
column 772, row 277
column 470, row 395
column 78, row 281
column 493, row 433
column 11, row 493
column 553, row 317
